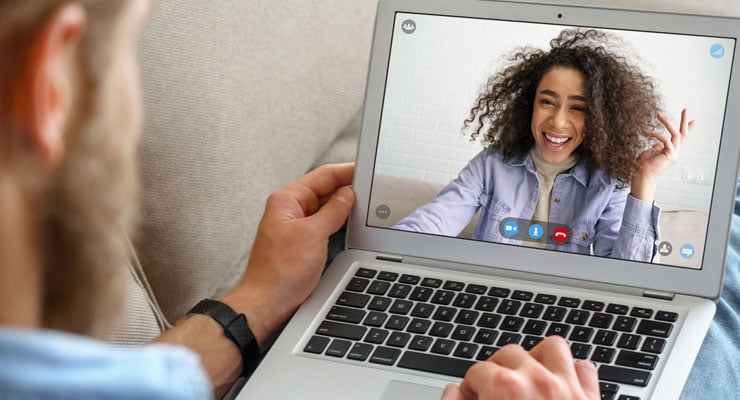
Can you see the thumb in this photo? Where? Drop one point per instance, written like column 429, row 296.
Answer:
column 588, row 378
column 332, row 215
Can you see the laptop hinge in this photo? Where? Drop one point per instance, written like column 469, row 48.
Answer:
column 389, row 257
column 658, row 295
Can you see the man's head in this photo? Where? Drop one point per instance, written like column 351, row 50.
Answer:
column 69, row 122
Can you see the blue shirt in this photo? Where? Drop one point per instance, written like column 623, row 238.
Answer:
column 36, row 364
column 604, row 219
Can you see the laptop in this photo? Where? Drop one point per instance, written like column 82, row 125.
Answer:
column 401, row 313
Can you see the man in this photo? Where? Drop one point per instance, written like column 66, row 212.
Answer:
column 69, row 123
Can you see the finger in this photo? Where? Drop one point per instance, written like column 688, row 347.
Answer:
column 677, row 137
column 667, row 144
column 554, row 354
column 332, row 215
column 452, row 392
column 484, row 377
column 307, row 194
column 588, row 378
column 511, row 356
column 325, row 179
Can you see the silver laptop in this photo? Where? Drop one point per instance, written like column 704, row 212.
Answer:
column 399, row 314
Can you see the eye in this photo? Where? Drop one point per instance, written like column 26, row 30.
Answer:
column 579, row 108
column 546, row 102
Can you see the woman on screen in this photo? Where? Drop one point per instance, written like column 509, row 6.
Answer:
column 566, row 164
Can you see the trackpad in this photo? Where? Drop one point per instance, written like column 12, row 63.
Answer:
column 398, row 390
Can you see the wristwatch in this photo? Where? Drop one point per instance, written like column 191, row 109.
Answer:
column 235, row 328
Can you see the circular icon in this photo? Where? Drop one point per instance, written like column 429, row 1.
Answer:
column 511, row 228
column 687, row 251
column 560, row 234
column 383, row 211
column 408, row 27
column 717, row 50
column 536, row 231
column 665, row 248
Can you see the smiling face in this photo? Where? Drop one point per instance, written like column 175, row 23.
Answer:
column 559, row 113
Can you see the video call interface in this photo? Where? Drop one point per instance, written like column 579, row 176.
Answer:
column 428, row 176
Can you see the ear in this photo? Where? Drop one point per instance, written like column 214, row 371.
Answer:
column 44, row 94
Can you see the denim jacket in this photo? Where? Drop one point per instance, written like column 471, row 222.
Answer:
column 603, row 218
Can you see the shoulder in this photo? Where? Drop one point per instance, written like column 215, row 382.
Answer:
column 48, row 364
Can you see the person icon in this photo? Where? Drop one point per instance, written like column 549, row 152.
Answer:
column 665, row 249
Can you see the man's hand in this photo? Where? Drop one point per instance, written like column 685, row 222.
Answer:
column 546, row 372
column 290, row 248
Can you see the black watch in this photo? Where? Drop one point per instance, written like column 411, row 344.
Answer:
column 235, row 328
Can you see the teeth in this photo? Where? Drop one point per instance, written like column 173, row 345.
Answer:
column 556, row 140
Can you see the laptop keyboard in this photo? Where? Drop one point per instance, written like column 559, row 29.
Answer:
column 444, row 327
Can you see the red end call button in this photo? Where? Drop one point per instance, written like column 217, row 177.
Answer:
column 560, row 234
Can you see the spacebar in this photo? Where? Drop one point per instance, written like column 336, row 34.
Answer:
column 431, row 363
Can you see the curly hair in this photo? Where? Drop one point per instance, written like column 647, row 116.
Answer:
column 622, row 102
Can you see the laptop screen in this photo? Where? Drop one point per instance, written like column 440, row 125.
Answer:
column 568, row 139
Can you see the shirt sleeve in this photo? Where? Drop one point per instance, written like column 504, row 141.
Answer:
column 638, row 233
column 454, row 207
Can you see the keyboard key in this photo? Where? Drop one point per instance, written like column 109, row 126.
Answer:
column 442, row 346
column 456, row 367
column 530, row 341
column 344, row 314
column 441, row 329
column 545, row 298
column 617, row 309
column 421, row 343
column 654, row 328
column 375, row 319
column 350, row 299
column 463, row 332
column 509, row 307
column 467, row 317
column 605, row 338
column 366, row 273
column 401, row 307
column 581, row 334
column 488, row 320
column 641, row 312
column 453, row 285
column 624, row 324
column 376, row 336
column 603, row 354
column 570, row 302
column 653, row 345
column 444, row 313
column 624, row 375
column 338, row 348
column 606, row 387
column 476, row 289
column 357, row 284
column 422, row 310
column 399, row 291
column 431, row 282
column 378, row 287
column 341, row 330
column 397, row 322
column 486, row 303
column 464, row 300
column 360, row 351
column 410, row 279
column 512, row 324
column 465, row 350
column 535, row 327
column 637, row 360
column 522, row 295
column 532, row 310
column 443, row 297
column 629, row 341
column 578, row 317
column 385, row 355
column 379, row 303
column 580, row 350
column 316, row 344
column 666, row 316
column 554, row 313
column 421, row 293
column 485, row 336
column 398, row 339
column 485, row 353
column 499, row 292
column 558, row 329
column 601, row 320
column 387, row 276
column 628, row 397
column 593, row 305
column 419, row 325
column 508, row 338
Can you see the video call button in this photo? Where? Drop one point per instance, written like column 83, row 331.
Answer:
column 511, row 228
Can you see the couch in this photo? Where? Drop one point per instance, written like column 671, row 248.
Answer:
column 242, row 97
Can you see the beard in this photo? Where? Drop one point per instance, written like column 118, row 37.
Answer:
column 88, row 212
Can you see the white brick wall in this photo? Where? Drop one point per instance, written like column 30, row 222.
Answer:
column 436, row 72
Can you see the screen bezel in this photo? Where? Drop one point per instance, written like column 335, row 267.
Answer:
column 705, row 282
